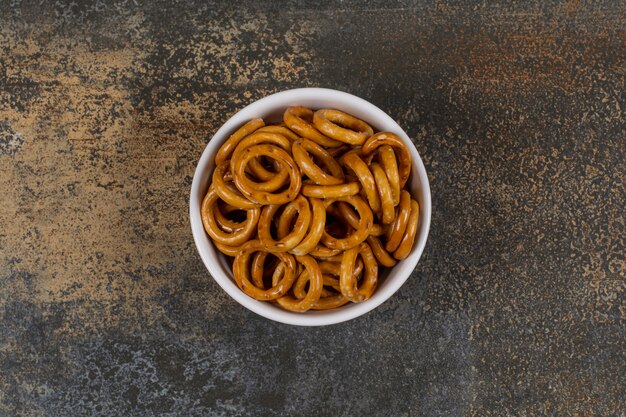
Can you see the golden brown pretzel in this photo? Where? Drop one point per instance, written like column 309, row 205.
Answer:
column 272, row 180
column 315, row 287
column 301, row 149
column 331, row 191
column 350, row 288
column 258, row 271
column 282, row 130
column 227, row 191
column 366, row 219
column 383, row 257
column 249, row 188
column 409, row 234
column 238, row 237
column 290, row 240
column 323, row 252
column 328, row 299
column 231, row 143
column 402, row 152
column 326, row 121
column 242, row 273
column 387, row 158
column 354, row 163
column 384, row 192
column 296, row 119
column 231, row 251
column 346, row 213
column 395, row 233
column 224, row 223
column 316, row 229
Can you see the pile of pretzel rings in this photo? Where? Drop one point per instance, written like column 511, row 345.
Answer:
column 310, row 207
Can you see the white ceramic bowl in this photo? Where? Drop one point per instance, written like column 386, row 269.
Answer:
column 271, row 108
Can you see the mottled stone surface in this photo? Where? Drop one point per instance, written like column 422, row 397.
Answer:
column 517, row 307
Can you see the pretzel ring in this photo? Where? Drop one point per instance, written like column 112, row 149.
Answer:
column 316, row 229
column 260, row 172
column 226, row 224
column 273, row 180
column 281, row 130
column 294, row 118
column 242, row 274
column 315, row 287
column 301, row 149
column 299, row 286
column 395, row 233
column 257, row 270
column 384, row 192
column 326, row 121
column 352, row 161
column 227, row 191
column 331, row 191
column 231, row 143
column 291, row 240
column 349, row 215
column 334, row 268
column 366, row 219
column 409, row 235
column 349, row 287
column 231, row 251
column 248, row 187
column 383, row 257
column 323, row 252
column 209, row 204
column 328, row 299
column 387, row 158
column 404, row 157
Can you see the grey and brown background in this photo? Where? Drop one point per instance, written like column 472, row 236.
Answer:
column 516, row 308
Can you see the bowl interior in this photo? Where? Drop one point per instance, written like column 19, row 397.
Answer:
column 271, row 109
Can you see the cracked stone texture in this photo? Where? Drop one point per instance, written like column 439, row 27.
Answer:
column 516, row 308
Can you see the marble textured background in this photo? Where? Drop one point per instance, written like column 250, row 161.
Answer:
column 517, row 307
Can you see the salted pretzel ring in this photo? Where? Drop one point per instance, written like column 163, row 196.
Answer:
column 382, row 256
column 316, row 284
column 243, row 278
column 258, row 270
column 328, row 299
column 392, row 140
column 249, row 187
column 224, row 223
column 331, row 191
column 396, row 230
column 366, row 219
column 384, row 192
column 290, row 240
column 327, row 121
column 346, row 212
column 272, row 180
column 354, row 163
column 231, row 251
column 316, row 227
column 231, row 143
column 409, row 234
column 387, row 159
column 296, row 119
column 350, row 288
column 227, row 190
column 301, row 149
column 281, row 130
column 238, row 237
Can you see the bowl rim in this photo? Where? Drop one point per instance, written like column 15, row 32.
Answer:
column 210, row 256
